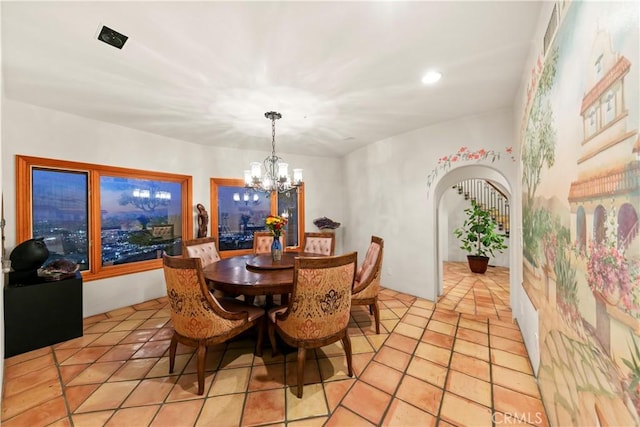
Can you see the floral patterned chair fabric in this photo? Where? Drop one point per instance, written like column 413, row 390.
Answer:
column 262, row 241
column 319, row 308
column 367, row 283
column 198, row 319
column 203, row 248
column 320, row 243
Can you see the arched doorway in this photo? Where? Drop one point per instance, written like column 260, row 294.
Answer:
column 581, row 230
column 627, row 225
column 599, row 218
column 440, row 223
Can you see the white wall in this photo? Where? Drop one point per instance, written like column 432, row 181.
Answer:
column 36, row 131
column 388, row 196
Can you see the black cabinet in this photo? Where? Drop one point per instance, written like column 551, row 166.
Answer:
column 41, row 314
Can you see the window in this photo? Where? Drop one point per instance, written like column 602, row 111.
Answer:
column 598, row 67
column 288, row 208
column 238, row 212
column 109, row 220
column 60, row 206
column 609, row 107
column 591, row 122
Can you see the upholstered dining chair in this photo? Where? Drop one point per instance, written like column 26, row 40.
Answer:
column 320, row 243
column 198, row 319
column 319, row 309
column 367, row 283
column 203, row 248
column 262, row 242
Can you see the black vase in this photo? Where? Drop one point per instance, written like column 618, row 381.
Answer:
column 29, row 255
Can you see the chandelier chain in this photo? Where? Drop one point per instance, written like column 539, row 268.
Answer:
column 273, row 136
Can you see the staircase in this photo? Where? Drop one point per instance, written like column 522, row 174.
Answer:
column 489, row 197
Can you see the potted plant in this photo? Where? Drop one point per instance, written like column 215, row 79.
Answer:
column 479, row 238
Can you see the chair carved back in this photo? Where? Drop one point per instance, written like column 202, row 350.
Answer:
column 320, row 243
column 194, row 311
column 198, row 319
column 203, row 248
column 321, row 297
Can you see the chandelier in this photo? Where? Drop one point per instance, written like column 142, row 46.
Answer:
column 147, row 199
column 272, row 174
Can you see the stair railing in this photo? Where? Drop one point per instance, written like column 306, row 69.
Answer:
column 489, row 197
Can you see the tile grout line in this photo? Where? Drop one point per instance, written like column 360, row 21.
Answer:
column 446, row 377
column 493, row 403
column 494, row 297
column 63, row 387
column 119, row 407
column 357, row 377
column 404, row 372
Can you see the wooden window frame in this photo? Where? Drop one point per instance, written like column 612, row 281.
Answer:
column 24, row 226
column 232, row 182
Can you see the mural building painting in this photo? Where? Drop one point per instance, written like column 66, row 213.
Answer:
column 581, row 195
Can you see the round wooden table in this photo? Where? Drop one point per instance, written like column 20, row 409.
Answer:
column 253, row 275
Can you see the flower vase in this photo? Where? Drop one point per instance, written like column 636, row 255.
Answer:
column 276, row 249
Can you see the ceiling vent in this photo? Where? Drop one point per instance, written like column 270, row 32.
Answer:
column 112, row 37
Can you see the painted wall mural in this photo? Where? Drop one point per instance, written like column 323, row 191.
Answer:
column 581, row 196
column 464, row 154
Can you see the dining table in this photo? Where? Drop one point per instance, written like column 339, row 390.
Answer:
column 253, row 275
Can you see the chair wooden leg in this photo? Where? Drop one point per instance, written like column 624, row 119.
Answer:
column 172, row 352
column 201, row 354
column 370, row 308
column 302, row 355
column 260, row 325
column 346, row 342
column 272, row 338
column 376, row 314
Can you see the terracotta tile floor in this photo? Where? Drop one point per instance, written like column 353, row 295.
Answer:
column 430, row 365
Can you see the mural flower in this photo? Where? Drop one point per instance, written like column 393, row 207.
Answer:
column 464, row 155
column 608, row 271
column 611, row 273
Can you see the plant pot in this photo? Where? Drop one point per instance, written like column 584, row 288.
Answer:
column 477, row 263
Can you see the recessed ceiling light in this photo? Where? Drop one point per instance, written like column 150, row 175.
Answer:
column 431, row 77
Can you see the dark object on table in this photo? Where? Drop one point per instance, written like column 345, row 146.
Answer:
column 325, row 223
column 59, row 269
column 29, row 255
column 26, row 259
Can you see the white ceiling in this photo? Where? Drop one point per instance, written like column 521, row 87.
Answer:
column 343, row 75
